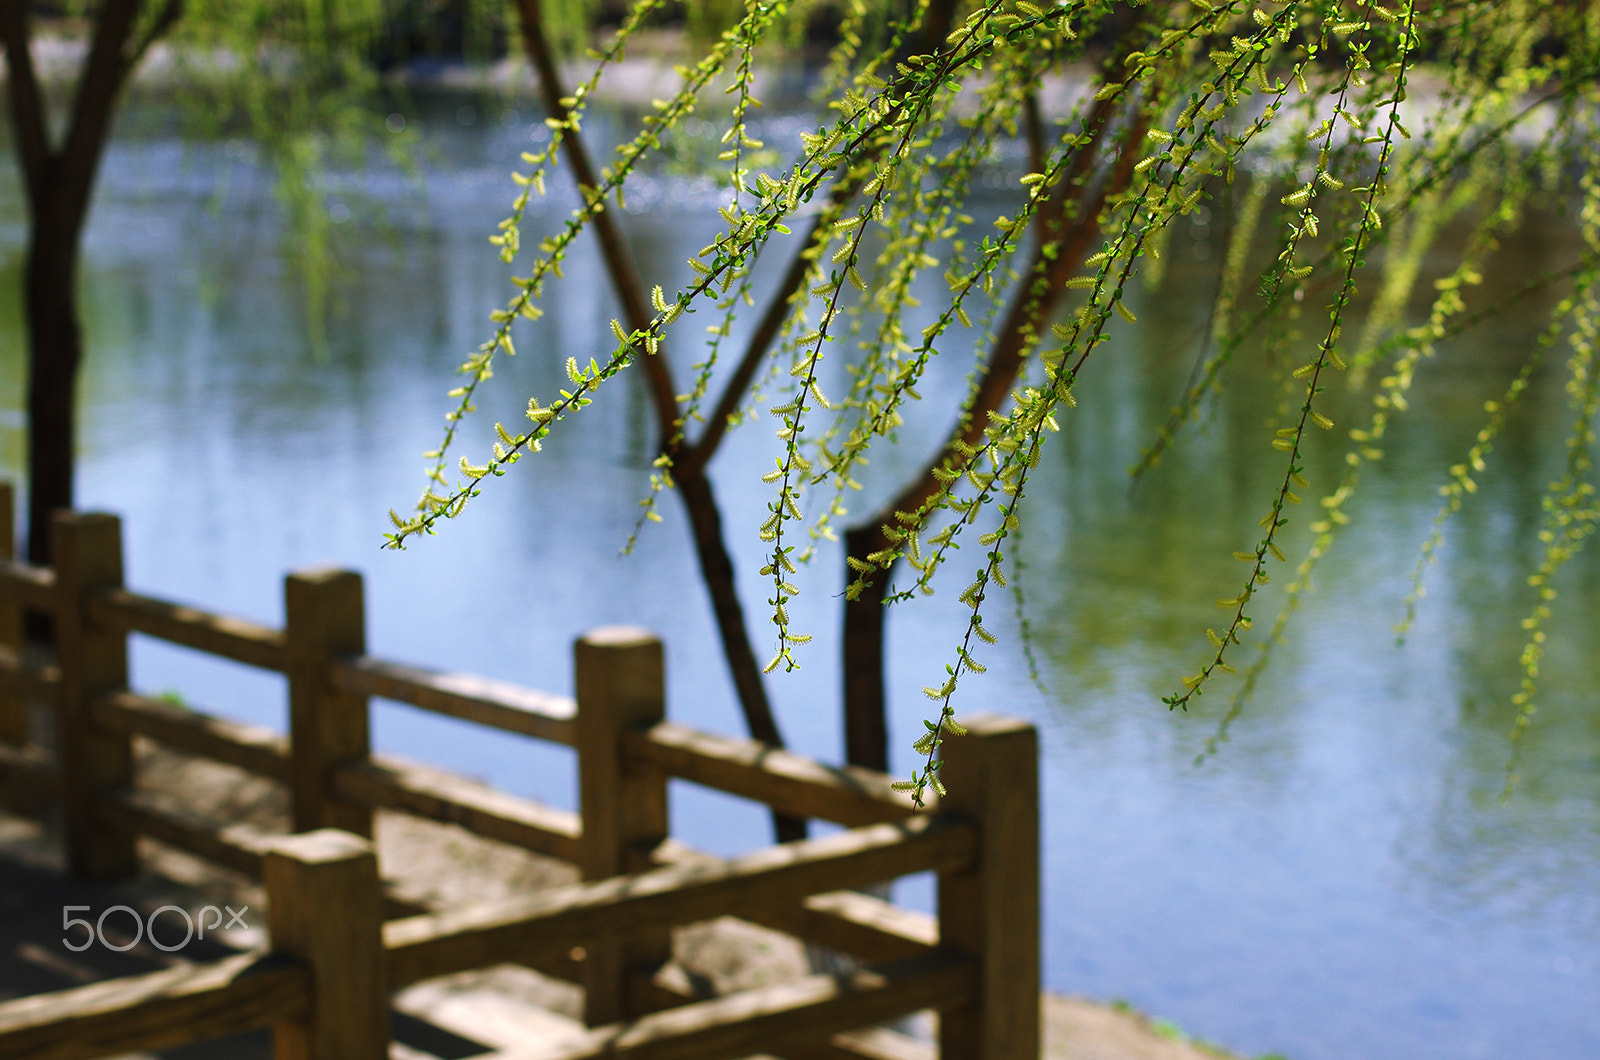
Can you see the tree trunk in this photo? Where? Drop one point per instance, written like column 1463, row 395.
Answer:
column 865, row 700
column 716, row 570
column 866, row 725
column 58, row 183
column 866, row 706
column 55, row 350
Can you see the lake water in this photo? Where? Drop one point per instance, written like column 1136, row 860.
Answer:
column 1340, row 881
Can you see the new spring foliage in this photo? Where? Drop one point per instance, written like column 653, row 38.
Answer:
column 1311, row 108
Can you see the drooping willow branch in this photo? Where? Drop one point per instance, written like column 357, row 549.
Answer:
column 1188, row 95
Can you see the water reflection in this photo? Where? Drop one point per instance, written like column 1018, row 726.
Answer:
column 1339, row 881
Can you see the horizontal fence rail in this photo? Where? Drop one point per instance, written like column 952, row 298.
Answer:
column 26, row 586
column 976, row 961
column 28, row 776
column 231, row 638
column 803, row 786
column 792, row 1014
column 562, row 917
column 29, row 680
column 476, row 807
column 249, row 747
column 492, row 703
column 237, row 846
column 159, row 1010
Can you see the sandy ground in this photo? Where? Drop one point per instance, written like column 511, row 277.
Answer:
column 457, row 1016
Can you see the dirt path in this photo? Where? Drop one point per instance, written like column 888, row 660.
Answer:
column 454, row 1017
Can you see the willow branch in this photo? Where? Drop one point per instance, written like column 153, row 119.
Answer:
column 733, row 393
column 936, row 24
column 1016, row 335
column 1033, row 122
column 27, row 105
column 104, row 72
column 619, row 263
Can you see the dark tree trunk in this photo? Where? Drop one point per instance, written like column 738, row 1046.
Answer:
column 55, row 351
column 58, row 182
column 866, row 726
column 716, row 570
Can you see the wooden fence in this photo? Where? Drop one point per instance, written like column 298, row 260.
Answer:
column 340, row 943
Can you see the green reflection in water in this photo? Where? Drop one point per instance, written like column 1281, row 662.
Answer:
column 1339, row 881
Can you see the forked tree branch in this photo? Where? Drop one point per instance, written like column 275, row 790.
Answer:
column 866, row 707
column 170, row 13
column 1027, row 314
column 694, row 487
column 936, row 24
column 27, row 104
column 104, row 73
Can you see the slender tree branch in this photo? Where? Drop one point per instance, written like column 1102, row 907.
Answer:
column 694, row 487
column 619, row 263
column 168, row 17
column 27, row 104
column 104, row 73
column 935, row 27
column 733, row 394
column 1027, row 313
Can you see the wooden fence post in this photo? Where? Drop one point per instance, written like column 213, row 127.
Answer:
column 324, row 617
column 325, row 906
column 620, row 684
column 991, row 911
column 94, row 661
column 13, row 711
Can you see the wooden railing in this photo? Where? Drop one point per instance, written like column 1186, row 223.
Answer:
column 325, row 982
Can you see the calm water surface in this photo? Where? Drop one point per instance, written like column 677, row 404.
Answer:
column 1340, row 881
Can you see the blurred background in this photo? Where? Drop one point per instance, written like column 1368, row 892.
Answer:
column 1341, row 878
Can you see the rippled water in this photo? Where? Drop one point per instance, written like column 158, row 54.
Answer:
column 1339, row 881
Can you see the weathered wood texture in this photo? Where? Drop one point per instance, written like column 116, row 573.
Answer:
column 238, row 846
column 23, row 683
column 401, row 901
column 562, row 917
column 29, row 682
column 231, row 638
column 475, row 807
column 250, row 747
column 989, row 909
column 87, row 548
column 28, row 779
column 866, row 1043
column 158, row 1010
column 758, row 1020
column 800, row 785
column 324, row 907
column 13, row 705
column 619, row 675
column 494, row 703
column 325, row 617
column 979, row 963
column 867, row 928
column 28, row 587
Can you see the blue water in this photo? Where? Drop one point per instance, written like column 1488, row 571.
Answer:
column 1339, row 881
